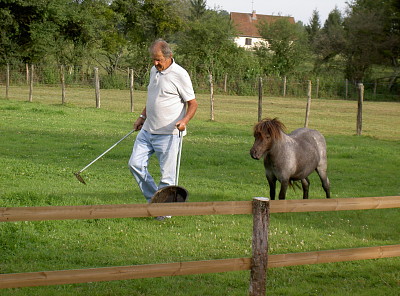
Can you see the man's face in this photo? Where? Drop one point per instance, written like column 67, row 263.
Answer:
column 160, row 62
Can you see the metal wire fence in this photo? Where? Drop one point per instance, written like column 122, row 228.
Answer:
column 385, row 89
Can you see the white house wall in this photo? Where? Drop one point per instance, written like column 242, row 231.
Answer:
column 241, row 42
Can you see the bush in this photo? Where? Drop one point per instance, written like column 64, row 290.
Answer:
column 114, row 81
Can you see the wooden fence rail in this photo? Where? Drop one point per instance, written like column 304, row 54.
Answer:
column 74, row 276
column 9, row 214
column 189, row 268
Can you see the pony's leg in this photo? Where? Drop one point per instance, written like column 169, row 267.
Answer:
column 272, row 187
column 325, row 181
column 305, row 183
column 284, row 186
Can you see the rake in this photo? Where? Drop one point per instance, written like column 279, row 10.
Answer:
column 78, row 174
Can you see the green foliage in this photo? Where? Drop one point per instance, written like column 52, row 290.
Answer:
column 116, row 34
column 197, row 9
column 313, row 27
column 373, row 42
column 361, row 44
column 114, row 81
column 206, row 45
column 286, row 45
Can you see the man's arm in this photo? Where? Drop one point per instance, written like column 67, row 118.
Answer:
column 190, row 112
column 140, row 121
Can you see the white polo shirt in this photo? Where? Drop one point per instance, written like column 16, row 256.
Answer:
column 167, row 94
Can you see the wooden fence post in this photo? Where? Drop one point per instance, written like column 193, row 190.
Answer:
column 284, row 86
column 30, row 99
column 317, row 89
column 7, row 79
column 211, row 97
column 308, row 103
column 27, row 73
column 62, row 78
column 347, row 89
column 259, row 261
column 131, row 81
column 260, row 97
column 359, row 109
column 97, row 86
column 225, row 83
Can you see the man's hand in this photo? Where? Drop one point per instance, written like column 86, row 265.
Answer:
column 138, row 124
column 181, row 125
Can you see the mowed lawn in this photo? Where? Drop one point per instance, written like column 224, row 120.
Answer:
column 44, row 142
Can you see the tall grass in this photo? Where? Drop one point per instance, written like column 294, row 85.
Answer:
column 43, row 142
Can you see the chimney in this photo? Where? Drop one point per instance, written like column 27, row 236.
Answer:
column 254, row 15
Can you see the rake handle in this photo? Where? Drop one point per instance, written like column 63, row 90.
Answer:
column 98, row 157
column 178, row 162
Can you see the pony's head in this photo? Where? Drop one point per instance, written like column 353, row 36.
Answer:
column 265, row 133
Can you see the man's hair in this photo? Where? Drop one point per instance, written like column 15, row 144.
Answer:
column 162, row 45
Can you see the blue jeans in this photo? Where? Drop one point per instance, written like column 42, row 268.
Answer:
column 165, row 148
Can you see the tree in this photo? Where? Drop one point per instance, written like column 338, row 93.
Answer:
column 161, row 18
column 207, row 43
column 38, row 30
column 330, row 41
column 27, row 29
column 9, row 49
column 197, row 9
column 376, row 41
column 313, row 27
column 286, row 45
column 138, row 24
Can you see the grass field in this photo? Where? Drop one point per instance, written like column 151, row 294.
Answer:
column 43, row 142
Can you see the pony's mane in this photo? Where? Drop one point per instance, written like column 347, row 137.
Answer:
column 273, row 127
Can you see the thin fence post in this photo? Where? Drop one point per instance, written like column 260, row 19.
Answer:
column 317, row 89
column 211, row 97
column 259, row 261
column 27, row 73
column 131, row 81
column 30, row 99
column 359, row 109
column 260, row 98
column 7, row 80
column 308, row 104
column 225, row 83
column 97, row 86
column 284, row 86
column 347, row 89
column 62, row 78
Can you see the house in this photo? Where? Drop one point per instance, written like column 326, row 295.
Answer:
column 247, row 27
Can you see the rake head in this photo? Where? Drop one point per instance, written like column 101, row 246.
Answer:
column 79, row 177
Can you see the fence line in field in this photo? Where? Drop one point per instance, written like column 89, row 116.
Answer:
column 274, row 86
column 259, row 207
column 30, row 74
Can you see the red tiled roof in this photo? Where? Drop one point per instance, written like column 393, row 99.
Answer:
column 246, row 23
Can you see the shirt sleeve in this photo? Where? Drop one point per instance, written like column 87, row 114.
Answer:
column 185, row 88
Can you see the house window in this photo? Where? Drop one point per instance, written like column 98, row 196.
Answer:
column 248, row 41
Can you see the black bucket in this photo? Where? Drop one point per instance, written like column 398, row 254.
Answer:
column 170, row 194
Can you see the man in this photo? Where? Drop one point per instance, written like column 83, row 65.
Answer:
column 170, row 105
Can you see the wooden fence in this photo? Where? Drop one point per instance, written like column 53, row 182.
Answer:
column 259, row 207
